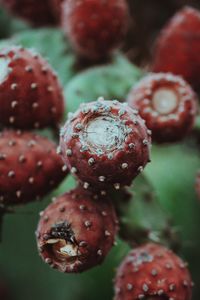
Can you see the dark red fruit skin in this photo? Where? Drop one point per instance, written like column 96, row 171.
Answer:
column 57, row 9
column 94, row 27
column 93, row 226
column 38, row 13
column 4, row 293
column 94, row 164
column 178, row 46
column 29, row 167
column 197, row 185
column 30, row 94
column 152, row 270
column 175, row 125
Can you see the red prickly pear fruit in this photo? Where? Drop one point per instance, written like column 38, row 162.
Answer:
column 178, row 46
column 95, row 28
column 152, row 271
column 168, row 105
column 30, row 94
column 105, row 144
column 76, row 231
column 37, row 13
column 29, row 167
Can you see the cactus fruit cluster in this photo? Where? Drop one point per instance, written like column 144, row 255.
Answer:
column 30, row 98
column 104, row 130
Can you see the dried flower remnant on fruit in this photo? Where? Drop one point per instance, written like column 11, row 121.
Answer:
column 151, row 271
column 76, row 231
column 62, row 242
column 106, row 142
column 168, row 105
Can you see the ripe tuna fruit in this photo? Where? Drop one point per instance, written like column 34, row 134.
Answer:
column 152, row 272
column 168, row 105
column 76, row 231
column 30, row 94
column 29, row 167
column 95, row 28
column 104, row 144
column 178, row 46
column 37, row 13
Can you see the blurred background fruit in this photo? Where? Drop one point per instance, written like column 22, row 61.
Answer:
column 36, row 13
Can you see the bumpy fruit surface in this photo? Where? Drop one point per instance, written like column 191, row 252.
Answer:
column 153, row 272
column 95, row 27
column 168, row 105
column 37, row 13
column 76, row 231
column 178, row 46
column 29, row 167
column 105, row 143
column 30, row 94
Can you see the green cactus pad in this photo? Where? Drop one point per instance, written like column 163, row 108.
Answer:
column 111, row 81
column 142, row 218
column 52, row 45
